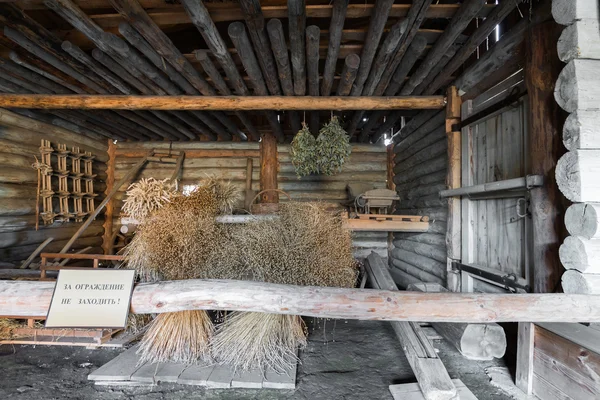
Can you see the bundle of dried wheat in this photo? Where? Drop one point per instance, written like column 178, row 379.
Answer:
column 226, row 193
column 175, row 243
column 306, row 246
column 248, row 340
column 146, row 196
column 179, row 337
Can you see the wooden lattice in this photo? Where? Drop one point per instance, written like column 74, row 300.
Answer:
column 66, row 189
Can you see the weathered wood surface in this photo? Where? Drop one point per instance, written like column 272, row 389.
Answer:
column 580, row 254
column 296, row 13
column 545, row 121
column 525, row 350
column 578, row 86
column 336, row 26
column 571, row 367
column 574, row 281
column 351, row 64
column 566, row 12
column 225, row 103
column 268, row 169
column 459, row 22
column 33, row 298
column 453, row 177
column 474, row 341
column 583, row 219
column 484, row 29
column 411, row 391
column 429, row 370
column 580, row 40
column 376, row 25
column 576, row 175
column 581, row 130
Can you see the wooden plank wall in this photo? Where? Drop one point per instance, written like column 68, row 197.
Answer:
column 20, row 139
column 419, row 174
column 224, row 160
column 563, row 369
column 367, row 164
column 495, row 149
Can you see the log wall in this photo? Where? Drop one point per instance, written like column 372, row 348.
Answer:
column 367, row 164
column 20, row 139
column 420, row 166
column 577, row 91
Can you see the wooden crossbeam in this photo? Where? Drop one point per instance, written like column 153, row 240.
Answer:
column 226, row 103
column 27, row 298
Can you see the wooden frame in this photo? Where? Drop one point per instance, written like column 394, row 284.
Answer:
column 224, row 103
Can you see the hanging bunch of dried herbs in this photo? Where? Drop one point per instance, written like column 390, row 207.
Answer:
column 333, row 147
column 303, row 152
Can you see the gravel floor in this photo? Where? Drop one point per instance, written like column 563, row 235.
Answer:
column 344, row 360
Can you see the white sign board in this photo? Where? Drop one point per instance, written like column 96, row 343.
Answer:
column 91, row 298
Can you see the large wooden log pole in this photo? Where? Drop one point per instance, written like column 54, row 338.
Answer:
column 296, row 26
column 269, row 165
column 313, row 34
column 226, row 103
column 429, row 370
column 467, row 11
column 453, row 181
column 33, row 299
column 376, row 25
column 474, row 341
column 240, row 40
column 415, row 17
column 202, row 20
column 583, row 219
column 110, row 205
column 336, row 25
column 351, row 64
column 255, row 22
column 495, row 17
column 545, row 121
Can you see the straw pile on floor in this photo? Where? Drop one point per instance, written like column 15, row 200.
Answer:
column 307, row 245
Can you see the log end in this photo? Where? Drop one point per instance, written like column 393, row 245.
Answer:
column 483, row 342
column 581, row 219
column 571, row 132
column 572, row 254
column 567, row 45
column 574, row 282
column 568, row 176
column 566, row 91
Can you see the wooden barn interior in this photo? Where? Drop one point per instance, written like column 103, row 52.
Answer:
column 460, row 187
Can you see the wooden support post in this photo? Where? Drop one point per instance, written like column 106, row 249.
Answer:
column 453, row 233
column 268, row 168
column 110, row 206
column 545, row 122
column 524, row 377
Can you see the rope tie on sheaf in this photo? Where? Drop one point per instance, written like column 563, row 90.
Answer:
column 42, row 169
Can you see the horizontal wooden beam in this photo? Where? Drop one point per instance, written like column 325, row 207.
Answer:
column 225, row 103
column 221, row 12
column 26, row 298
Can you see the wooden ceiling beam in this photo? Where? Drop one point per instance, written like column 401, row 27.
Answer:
column 229, row 12
column 224, row 103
